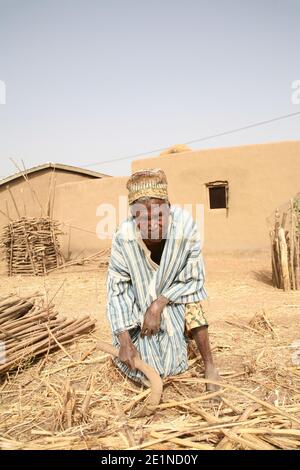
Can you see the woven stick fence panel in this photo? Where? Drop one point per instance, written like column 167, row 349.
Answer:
column 30, row 246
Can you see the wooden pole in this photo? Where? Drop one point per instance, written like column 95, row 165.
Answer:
column 13, row 200
column 53, row 198
column 284, row 259
column 11, row 249
column 48, row 205
column 33, row 192
column 5, row 215
column 292, row 247
column 297, row 262
column 29, row 250
column 278, row 263
column 275, row 273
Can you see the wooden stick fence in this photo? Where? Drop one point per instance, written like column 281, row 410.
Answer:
column 285, row 247
column 31, row 246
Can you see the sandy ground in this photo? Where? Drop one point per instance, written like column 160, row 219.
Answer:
column 239, row 286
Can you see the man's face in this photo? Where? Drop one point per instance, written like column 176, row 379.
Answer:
column 151, row 218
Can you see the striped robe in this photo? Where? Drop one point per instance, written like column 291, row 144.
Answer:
column 135, row 281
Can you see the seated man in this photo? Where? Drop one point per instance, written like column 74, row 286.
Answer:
column 156, row 283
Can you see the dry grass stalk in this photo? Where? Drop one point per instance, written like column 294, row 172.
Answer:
column 80, row 403
column 263, row 324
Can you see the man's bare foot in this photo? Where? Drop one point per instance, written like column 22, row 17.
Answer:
column 211, row 373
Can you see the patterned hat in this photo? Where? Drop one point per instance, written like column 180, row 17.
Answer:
column 147, row 183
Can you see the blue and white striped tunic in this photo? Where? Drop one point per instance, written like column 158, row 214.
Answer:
column 135, row 281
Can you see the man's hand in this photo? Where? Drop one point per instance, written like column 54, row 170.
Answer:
column 152, row 319
column 127, row 352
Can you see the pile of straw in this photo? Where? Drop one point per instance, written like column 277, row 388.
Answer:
column 77, row 399
column 30, row 246
column 262, row 323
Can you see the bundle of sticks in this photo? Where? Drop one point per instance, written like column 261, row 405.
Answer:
column 285, row 247
column 31, row 245
column 30, row 328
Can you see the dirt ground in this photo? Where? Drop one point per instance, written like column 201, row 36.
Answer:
column 238, row 285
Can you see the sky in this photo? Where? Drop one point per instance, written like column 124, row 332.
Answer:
column 88, row 81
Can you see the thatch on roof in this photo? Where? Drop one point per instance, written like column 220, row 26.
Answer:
column 176, row 149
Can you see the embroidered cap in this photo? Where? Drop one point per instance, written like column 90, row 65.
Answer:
column 147, row 183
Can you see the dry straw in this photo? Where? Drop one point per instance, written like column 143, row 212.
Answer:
column 75, row 398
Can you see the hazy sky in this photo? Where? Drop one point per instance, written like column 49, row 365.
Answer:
column 92, row 80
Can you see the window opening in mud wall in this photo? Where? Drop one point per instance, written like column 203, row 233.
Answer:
column 218, row 194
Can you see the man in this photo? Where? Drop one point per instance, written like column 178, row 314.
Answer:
column 156, row 283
